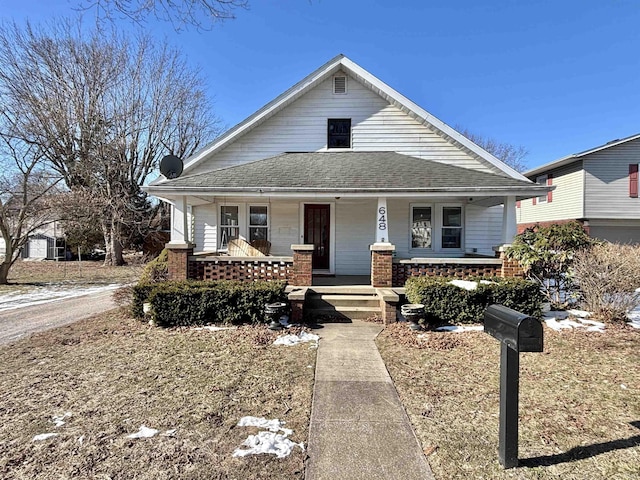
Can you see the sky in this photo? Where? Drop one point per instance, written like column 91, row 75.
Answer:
column 557, row 77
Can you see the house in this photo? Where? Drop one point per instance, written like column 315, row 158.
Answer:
column 352, row 178
column 47, row 242
column 598, row 187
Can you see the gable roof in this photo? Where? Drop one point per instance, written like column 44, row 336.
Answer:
column 576, row 156
column 348, row 172
column 334, row 65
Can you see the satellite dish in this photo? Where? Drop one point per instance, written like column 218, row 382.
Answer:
column 171, row 166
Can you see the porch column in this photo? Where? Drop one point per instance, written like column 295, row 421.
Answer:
column 179, row 224
column 382, row 221
column 509, row 222
column 179, row 248
column 302, row 265
column 382, row 264
column 178, row 260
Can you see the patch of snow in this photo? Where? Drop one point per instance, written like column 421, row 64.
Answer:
column 46, row 294
column 468, row 284
column 261, row 422
column 460, row 328
column 561, row 321
column 43, row 436
column 267, row 442
column 170, row 433
column 270, row 441
column 144, row 432
column 81, row 439
column 59, row 420
column 212, row 328
column 290, row 340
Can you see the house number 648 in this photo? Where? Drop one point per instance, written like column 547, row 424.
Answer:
column 382, row 221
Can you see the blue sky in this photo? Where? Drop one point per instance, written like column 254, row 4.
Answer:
column 557, row 77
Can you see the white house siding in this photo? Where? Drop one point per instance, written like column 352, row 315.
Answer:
column 355, row 231
column 205, row 234
column 607, row 182
column 376, row 126
column 354, row 228
column 284, row 226
column 567, row 198
column 2, row 246
column 613, row 231
column 483, row 229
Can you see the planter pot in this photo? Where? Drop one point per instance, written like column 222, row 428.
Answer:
column 273, row 312
column 413, row 312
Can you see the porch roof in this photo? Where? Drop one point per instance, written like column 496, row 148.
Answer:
column 348, row 172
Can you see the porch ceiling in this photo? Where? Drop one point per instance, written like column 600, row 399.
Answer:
column 361, row 173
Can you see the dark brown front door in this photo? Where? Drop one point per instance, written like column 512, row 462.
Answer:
column 316, row 232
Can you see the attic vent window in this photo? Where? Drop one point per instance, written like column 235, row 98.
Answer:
column 340, row 85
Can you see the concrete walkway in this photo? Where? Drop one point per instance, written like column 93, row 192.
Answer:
column 359, row 429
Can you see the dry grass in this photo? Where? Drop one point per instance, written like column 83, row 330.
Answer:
column 73, row 272
column 115, row 374
column 579, row 403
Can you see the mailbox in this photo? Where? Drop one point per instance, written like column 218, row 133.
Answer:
column 518, row 331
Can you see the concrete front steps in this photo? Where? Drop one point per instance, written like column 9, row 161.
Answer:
column 340, row 302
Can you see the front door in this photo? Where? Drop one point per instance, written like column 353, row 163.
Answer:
column 316, row 232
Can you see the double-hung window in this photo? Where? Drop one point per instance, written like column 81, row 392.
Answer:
column 249, row 222
column 339, row 133
column 421, row 226
column 451, row 227
column 542, row 180
column 436, row 227
column 229, row 224
column 258, row 222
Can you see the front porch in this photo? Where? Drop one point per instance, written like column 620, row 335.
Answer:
column 340, row 296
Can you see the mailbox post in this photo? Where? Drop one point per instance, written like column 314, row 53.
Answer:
column 517, row 333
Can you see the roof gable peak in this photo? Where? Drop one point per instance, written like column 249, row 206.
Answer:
column 342, row 63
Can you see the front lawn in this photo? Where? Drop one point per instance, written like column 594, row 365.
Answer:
column 114, row 374
column 579, row 403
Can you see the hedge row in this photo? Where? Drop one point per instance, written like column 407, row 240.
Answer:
column 197, row 302
column 446, row 303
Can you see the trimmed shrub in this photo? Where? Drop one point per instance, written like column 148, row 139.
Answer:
column 189, row 303
column 446, row 303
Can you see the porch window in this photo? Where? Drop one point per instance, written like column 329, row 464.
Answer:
column 228, row 224
column 339, row 133
column 421, row 226
column 258, row 222
column 451, row 227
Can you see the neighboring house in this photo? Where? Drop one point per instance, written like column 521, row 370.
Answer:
column 598, row 187
column 45, row 243
column 338, row 169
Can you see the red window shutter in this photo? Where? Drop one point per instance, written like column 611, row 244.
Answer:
column 633, row 180
column 534, row 200
column 518, row 204
column 549, row 183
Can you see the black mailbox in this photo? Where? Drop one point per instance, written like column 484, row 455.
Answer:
column 518, row 331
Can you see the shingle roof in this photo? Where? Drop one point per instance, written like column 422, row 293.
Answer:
column 344, row 171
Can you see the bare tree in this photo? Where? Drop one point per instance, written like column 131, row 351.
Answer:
column 27, row 192
column 202, row 14
column 103, row 109
column 512, row 155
